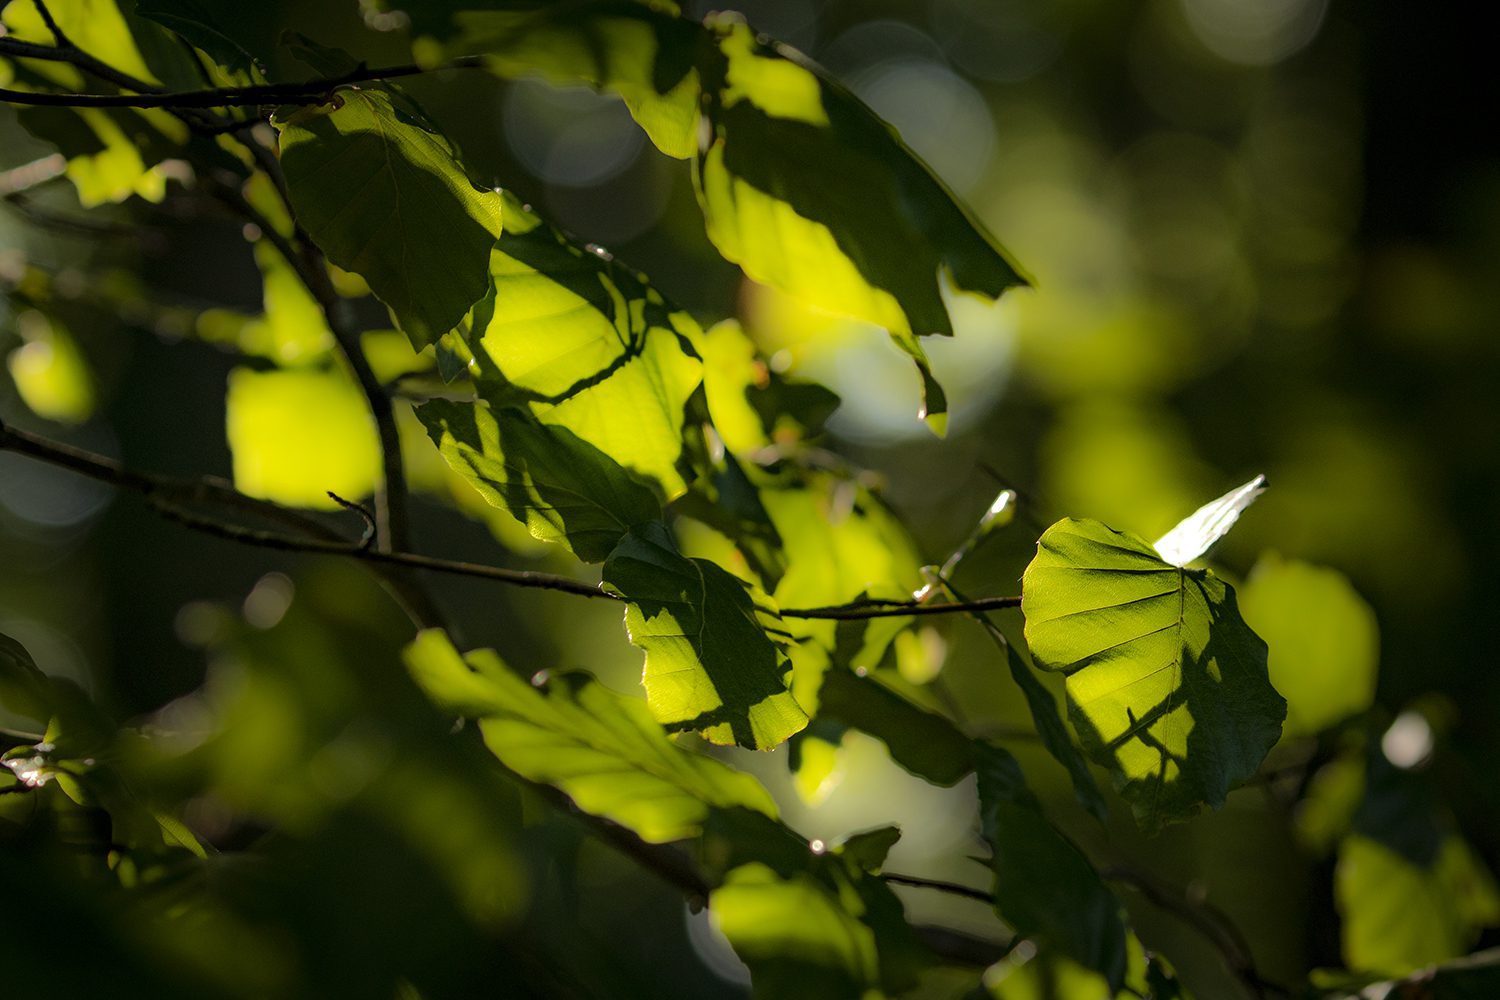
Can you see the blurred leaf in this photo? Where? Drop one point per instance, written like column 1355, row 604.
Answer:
column 602, row 749
column 1398, row 915
column 1476, row 977
column 1167, row 686
column 1323, row 638
column 297, row 434
column 561, row 487
column 292, row 329
column 923, row 743
column 589, row 345
column 50, row 372
column 795, row 936
column 868, row 848
column 640, row 52
column 714, row 656
column 1044, row 886
column 371, row 183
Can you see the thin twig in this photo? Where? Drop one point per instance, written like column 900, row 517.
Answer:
column 308, row 92
column 860, row 610
column 1205, row 918
column 174, row 499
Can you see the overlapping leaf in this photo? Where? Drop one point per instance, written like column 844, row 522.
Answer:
column 800, row 183
column 379, row 190
column 1044, row 886
column 1167, row 686
column 588, row 345
column 561, row 487
column 714, row 656
column 602, row 749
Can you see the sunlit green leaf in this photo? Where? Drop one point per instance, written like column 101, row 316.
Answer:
column 292, row 329
column 713, row 643
column 1044, row 886
column 561, row 487
column 589, row 345
column 1323, row 638
column 379, row 190
column 602, row 749
column 786, row 175
column 49, row 370
column 1166, row 685
column 296, row 435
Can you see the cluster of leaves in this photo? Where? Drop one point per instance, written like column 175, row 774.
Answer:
column 565, row 393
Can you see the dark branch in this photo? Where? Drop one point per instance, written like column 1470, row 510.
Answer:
column 176, row 498
column 901, row 609
column 308, row 92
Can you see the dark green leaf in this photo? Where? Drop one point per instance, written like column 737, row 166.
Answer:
column 381, row 193
column 923, row 743
column 1044, row 886
column 1166, row 685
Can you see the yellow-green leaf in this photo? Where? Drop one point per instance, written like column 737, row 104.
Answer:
column 602, row 749
column 1167, row 686
column 1324, row 641
column 298, row 434
column 714, row 659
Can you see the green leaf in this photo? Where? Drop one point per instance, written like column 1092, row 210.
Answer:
column 292, row 329
column 786, row 175
column 1399, row 915
column 49, row 370
column 640, row 52
column 562, row 488
column 381, row 193
column 200, row 26
column 1044, row 886
column 922, row 742
column 797, row 938
column 1166, row 685
column 295, row 435
column 1323, row 637
column 1049, row 724
column 587, row 344
column 714, row 660
column 602, row 749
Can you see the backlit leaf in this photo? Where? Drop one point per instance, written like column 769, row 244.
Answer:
column 1167, row 686
column 295, row 435
column 1323, row 637
column 602, row 749
column 714, row 659
column 588, row 344
column 561, row 487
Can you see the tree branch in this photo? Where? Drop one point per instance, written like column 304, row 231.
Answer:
column 308, row 92
column 174, row 499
